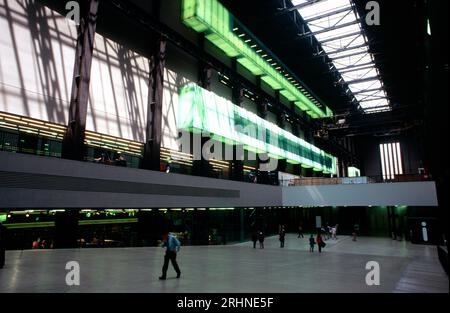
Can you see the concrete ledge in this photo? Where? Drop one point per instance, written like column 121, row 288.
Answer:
column 28, row 181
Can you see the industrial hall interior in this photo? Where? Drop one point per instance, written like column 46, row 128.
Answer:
column 223, row 146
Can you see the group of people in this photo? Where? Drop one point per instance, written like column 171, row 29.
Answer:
column 319, row 241
column 258, row 236
column 323, row 234
column 105, row 159
column 330, row 231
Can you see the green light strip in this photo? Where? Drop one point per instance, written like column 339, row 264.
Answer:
column 29, row 225
column 202, row 110
column 213, row 19
column 80, row 223
column 107, row 221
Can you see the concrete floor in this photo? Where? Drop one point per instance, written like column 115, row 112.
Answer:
column 233, row 268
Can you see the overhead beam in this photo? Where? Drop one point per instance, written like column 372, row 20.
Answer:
column 301, row 6
column 326, row 30
column 373, row 99
column 358, row 69
column 362, row 80
column 340, row 37
column 347, row 49
column 367, row 91
column 350, row 55
column 319, row 17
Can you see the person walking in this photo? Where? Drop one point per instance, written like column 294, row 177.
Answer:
column 172, row 245
column 333, row 232
column 254, row 239
column 320, row 242
column 282, row 236
column 300, row 231
column 311, row 243
column 261, row 239
column 2, row 245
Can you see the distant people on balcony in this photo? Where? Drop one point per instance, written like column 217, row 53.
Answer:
column 312, row 242
column 282, row 235
column 300, row 231
column 252, row 177
column 172, row 245
column 121, row 161
column 254, row 238
column 2, row 245
column 104, row 159
column 320, row 242
column 261, row 239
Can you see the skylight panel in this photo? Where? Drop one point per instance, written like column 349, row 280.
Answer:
column 336, row 26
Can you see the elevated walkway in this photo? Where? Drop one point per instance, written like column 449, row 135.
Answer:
column 28, row 181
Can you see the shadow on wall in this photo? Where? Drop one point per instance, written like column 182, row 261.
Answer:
column 36, row 63
column 172, row 84
column 118, row 91
column 37, row 56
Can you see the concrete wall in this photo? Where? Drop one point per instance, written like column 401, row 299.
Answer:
column 387, row 194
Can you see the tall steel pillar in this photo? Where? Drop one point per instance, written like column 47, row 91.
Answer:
column 73, row 146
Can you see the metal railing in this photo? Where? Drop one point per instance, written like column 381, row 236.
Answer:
column 314, row 181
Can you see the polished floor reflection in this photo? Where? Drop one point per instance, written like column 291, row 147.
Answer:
column 233, row 268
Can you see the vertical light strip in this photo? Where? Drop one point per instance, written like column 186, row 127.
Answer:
column 395, row 155
column 386, row 158
column 399, row 157
column 383, row 168
column 391, row 163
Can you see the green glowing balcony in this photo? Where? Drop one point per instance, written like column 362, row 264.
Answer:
column 213, row 19
column 202, row 110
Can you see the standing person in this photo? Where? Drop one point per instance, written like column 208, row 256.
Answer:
column 355, row 231
column 311, row 243
column 333, row 232
column 320, row 242
column 254, row 239
column 282, row 236
column 172, row 245
column 300, row 231
column 2, row 244
column 261, row 239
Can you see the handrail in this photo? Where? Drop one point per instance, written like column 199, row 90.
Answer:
column 313, row 181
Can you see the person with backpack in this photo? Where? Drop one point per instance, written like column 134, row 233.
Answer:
column 320, row 242
column 172, row 245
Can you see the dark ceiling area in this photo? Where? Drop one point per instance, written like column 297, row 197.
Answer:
column 398, row 46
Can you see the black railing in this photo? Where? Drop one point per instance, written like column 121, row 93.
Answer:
column 312, row 181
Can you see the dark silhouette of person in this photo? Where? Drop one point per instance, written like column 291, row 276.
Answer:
column 254, row 238
column 300, row 231
column 282, row 236
column 320, row 242
column 311, row 243
column 2, row 244
column 172, row 245
column 261, row 239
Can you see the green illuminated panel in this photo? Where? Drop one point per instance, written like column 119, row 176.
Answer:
column 202, row 110
column 213, row 19
column 353, row 172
